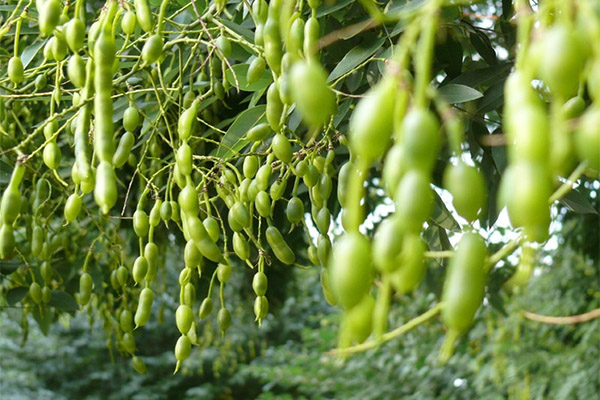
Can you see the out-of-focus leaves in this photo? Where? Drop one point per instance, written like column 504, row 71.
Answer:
column 455, row 94
column 16, row 294
column 484, row 47
column 63, row 301
column 578, row 203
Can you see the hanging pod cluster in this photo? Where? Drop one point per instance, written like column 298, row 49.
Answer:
column 164, row 132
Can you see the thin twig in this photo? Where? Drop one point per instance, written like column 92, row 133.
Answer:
column 413, row 323
column 572, row 319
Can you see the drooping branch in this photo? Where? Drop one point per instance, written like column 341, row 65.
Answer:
column 569, row 320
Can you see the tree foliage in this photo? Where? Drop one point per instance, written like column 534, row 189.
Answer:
column 158, row 158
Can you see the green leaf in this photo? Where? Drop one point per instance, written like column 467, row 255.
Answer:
column 15, row 295
column 5, row 172
column 8, row 267
column 441, row 216
column 326, row 9
column 484, row 76
column 232, row 141
column 354, row 57
column 483, row 46
column 577, row 202
column 437, row 240
column 44, row 318
column 240, row 73
column 492, row 99
column 63, row 301
column 30, row 52
column 247, row 33
column 455, row 94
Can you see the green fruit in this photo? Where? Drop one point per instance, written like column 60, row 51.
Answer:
column 183, row 348
column 128, row 343
column 311, row 94
column 184, row 318
column 188, row 200
column 126, row 320
column 224, row 319
column 358, row 322
column 272, row 44
column 123, row 149
column 387, row 244
column 224, row 45
column 240, row 246
column 212, row 228
column 138, row 364
column 224, row 272
column 279, row 246
column 295, row 210
column 72, row 207
column 75, row 34
column 464, row 284
column 15, row 69
column 255, row 70
column 587, row 138
column 414, row 200
column 128, row 23
column 372, row 122
column 311, row 37
column 142, row 314
column 184, row 158
column 274, row 107
column 35, row 292
column 260, row 283
column 467, row 187
column 323, row 220
column 394, row 168
column 52, row 155
column 59, row 46
column 152, row 49
column 282, row 148
column 7, row 241
column 131, row 119
column 10, row 205
column 250, row 166
column 411, row 265
column 350, row 270
column 258, row 132
column 49, row 16
column 528, row 131
column 205, row 308
column 525, row 189
column 105, row 191
column 151, row 255
column 140, row 269
column 239, row 215
column 262, row 203
column 76, row 70
column 562, row 60
column 261, row 307
column 141, row 223
column 420, row 139
column 144, row 15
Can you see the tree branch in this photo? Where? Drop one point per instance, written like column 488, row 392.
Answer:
column 572, row 319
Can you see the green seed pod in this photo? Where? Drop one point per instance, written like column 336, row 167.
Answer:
column 184, row 318
column 350, row 269
column 183, row 348
column 279, row 246
column 142, row 314
column 205, row 308
column 140, row 268
column 138, row 365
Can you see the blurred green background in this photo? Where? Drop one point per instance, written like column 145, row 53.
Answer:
column 503, row 356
